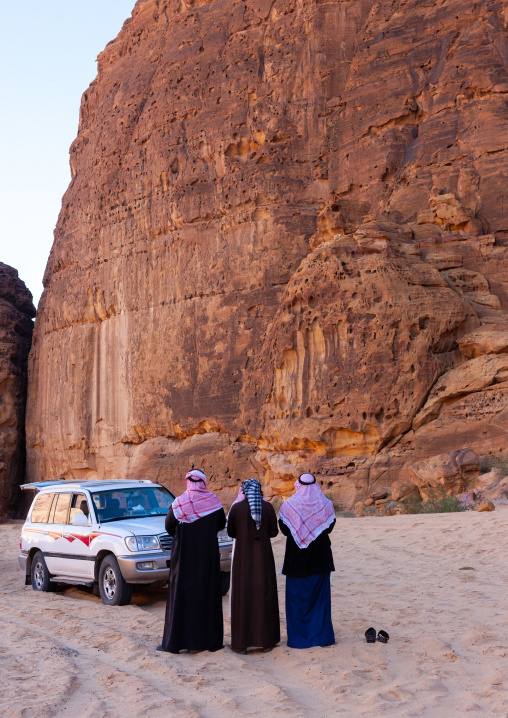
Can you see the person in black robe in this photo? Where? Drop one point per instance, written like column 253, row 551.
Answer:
column 194, row 605
column 252, row 522
column 307, row 519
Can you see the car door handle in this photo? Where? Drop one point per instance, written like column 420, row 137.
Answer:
column 66, row 535
column 45, row 533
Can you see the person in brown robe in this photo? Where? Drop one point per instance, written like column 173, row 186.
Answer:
column 252, row 522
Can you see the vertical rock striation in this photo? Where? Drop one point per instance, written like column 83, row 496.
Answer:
column 16, row 326
column 285, row 223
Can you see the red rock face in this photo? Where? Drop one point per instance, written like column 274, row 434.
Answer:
column 452, row 473
column 284, row 220
column 16, row 326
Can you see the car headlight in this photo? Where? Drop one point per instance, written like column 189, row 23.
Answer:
column 223, row 536
column 142, row 543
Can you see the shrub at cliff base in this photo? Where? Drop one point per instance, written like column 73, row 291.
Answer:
column 438, row 502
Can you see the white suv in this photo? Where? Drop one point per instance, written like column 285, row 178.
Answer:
column 108, row 535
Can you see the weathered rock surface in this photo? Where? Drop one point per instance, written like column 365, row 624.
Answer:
column 401, row 489
column 379, row 495
column 454, row 473
column 16, row 326
column 487, row 339
column 284, row 218
column 468, row 378
column 496, row 490
column 467, row 499
column 491, row 478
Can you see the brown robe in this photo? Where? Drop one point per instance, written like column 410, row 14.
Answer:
column 254, row 599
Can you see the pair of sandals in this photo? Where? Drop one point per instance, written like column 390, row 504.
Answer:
column 370, row 636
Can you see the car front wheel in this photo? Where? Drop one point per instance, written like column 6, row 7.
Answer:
column 41, row 580
column 114, row 589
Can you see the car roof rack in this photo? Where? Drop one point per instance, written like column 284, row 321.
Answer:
column 87, row 484
column 112, row 482
column 37, row 485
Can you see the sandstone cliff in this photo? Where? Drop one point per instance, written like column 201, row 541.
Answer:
column 16, row 326
column 283, row 247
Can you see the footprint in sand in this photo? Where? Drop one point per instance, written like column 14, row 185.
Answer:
column 391, row 696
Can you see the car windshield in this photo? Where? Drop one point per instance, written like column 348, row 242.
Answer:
column 137, row 503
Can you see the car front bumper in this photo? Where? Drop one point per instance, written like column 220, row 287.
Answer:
column 133, row 572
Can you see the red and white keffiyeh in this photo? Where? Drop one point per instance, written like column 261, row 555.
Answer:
column 308, row 512
column 197, row 501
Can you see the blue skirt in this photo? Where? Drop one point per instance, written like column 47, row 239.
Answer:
column 309, row 611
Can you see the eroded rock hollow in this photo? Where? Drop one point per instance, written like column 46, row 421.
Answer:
column 16, row 326
column 284, row 247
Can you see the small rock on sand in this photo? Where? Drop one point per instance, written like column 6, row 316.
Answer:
column 486, row 506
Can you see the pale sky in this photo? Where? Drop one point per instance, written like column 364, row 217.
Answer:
column 48, row 58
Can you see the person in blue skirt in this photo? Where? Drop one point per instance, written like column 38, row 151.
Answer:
column 307, row 519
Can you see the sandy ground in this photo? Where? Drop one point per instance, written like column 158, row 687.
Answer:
column 67, row 655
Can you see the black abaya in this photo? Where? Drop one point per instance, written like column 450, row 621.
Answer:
column 194, row 606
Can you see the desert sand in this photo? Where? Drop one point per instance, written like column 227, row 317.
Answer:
column 436, row 583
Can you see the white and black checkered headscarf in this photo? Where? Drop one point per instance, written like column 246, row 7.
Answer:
column 252, row 490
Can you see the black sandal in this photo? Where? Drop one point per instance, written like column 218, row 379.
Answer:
column 370, row 635
column 383, row 637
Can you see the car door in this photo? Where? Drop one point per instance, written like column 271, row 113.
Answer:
column 36, row 532
column 57, row 554
column 80, row 559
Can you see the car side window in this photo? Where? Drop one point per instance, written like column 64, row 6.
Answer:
column 79, row 505
column 60, row 511
column 40, row 511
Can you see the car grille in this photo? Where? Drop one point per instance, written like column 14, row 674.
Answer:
column 165, row 541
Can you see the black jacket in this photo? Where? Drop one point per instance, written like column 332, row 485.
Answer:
column 316, row 558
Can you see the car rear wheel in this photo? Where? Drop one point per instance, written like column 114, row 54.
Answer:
column 41, row 580
column 225, row 579
column 114, row 589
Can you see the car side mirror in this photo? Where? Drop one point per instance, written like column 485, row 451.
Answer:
column 79, row 520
